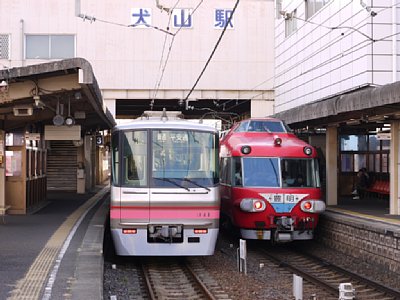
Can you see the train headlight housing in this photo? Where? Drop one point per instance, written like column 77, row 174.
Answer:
column 252, row 205
column 307, row 150
column 312, row 206
column 246, row 149
column 277, row 141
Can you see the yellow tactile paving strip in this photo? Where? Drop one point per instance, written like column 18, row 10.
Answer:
column 365, row 216
column 31, row 286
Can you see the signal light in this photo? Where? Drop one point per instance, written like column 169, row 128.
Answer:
column 200, row 230
column 129, row 230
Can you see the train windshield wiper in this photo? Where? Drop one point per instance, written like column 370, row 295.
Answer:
column 195, row 183
column 171, row 181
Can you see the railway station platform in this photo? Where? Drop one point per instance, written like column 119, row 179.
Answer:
column 363, row 229
column 55, row 251
column 375, row 208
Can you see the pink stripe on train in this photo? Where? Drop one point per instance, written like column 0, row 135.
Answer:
column 163, row 213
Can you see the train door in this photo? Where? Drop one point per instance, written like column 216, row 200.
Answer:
column 134, row 192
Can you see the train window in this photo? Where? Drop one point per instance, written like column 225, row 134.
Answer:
column 189, row 158
column 238, row 174
column 261, row 171
column 134, row 148
column 261, row 126
column 242, row 127
column 115, row 168
column 226, row 171
column 275, row 126
column 300, row 172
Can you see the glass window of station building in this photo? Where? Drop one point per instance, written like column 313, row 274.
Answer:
column 362, row 149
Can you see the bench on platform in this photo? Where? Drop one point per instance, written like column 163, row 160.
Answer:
column 379, row 187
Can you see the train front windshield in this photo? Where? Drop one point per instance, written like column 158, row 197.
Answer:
column 276, row 172
column 166, row 158
column 184, row 158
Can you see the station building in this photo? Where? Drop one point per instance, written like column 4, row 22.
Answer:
column 337, row 82
column 328, row 68
column 69, row 69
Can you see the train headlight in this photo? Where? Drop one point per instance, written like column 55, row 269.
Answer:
column 277, row 141
column 313, row 206
column 252, row 205
column 307, row 150
column 246, row 149
column 307, row 205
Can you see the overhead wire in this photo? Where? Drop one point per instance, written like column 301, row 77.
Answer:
column 213, row 52
column 92, row 19
column 369, row 41
column 350, row 50
column 158, row 83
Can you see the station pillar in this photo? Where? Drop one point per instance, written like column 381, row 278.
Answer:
column 2, row 173
column 395, row 168
column 331, row 165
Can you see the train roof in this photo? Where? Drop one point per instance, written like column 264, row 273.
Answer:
column 154, row 122
column 263, row 142
column 261, row 124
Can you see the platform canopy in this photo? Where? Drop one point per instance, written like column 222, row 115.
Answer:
column 369, row 104
column 61, row 93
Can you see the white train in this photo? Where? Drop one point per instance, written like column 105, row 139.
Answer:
column 164, row 188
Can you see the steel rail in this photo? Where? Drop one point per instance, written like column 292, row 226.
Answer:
column 328, row 287
column 387, row 291
column 204, row 288
column 149, row 286
column 380, row 287
column 190, row 275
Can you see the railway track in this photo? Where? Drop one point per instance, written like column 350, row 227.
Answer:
column 325, row 276
column 169, row 278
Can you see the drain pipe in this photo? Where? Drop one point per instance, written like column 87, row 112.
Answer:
column 22, row 30
column 77, row 8
column 394, row 42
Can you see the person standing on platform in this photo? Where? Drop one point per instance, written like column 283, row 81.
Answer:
column 362, row 183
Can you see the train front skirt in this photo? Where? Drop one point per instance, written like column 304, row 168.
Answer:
column 169, row 242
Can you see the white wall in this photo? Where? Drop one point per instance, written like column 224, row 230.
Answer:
column 316, row 61
column 126, row 60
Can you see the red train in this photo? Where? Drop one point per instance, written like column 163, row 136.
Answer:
column 270, row 185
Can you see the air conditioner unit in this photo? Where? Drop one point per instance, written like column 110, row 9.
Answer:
column 23, row 110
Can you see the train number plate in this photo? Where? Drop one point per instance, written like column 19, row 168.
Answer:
column 283, row 198
column 277, row 198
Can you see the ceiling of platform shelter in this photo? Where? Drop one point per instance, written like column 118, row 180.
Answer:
column 226, row 110
column 366, row 107
column 58, row 93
